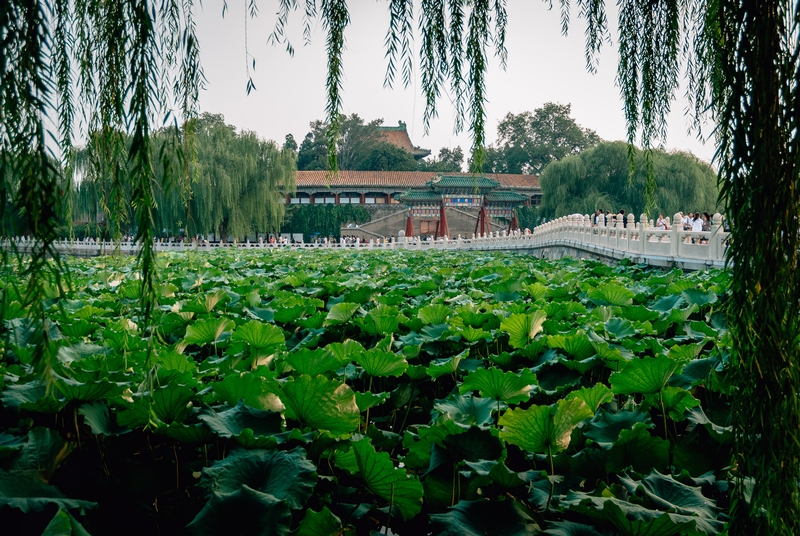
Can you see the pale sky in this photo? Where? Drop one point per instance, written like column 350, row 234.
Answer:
column 543, row 66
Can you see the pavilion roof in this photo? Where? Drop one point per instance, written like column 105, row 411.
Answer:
column 420, row 196
column 403, row 179
column 501, row 196
column 464, row 181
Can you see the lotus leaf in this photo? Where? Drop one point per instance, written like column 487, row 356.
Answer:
column 377, row 362
column 322, row 523
column 480, row 517
column 259, row 335
column 467, row 411
column 321, row 403
column 382, row 478
column 22, row 492
column 63, row 524
column 244, row 512
column 500, row 386
column 638, row 449
column 676, row 402
column 99, row 419
column 544, row 429
column 313, row 362
column 611, row 294
column 286, row 475
column 382, row 320
column 497, row 472
column 341, row 313
column 605, row 428
column 629, row 519
column 203, row 332
column 445, row 366
column 522, row 328
column 346, row 351
column 252, row 427
column 254, row 390
column 646, row 375
column 594, row 397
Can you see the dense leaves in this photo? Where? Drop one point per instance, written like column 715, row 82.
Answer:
column 350, row 391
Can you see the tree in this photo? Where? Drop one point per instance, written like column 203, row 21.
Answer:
column 353, row 146
column 290, row 143
column 600, row 178
column 325, row 220
column 527, row 142
column 313, row 153
column 238, row 185
column 449, row 160
column 387, row 157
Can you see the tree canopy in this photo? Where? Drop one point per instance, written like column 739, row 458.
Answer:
column 448, row 160
column 600, row 178
column 357, row 139
column 238, row 185
column 361, row 147
column 528, row 142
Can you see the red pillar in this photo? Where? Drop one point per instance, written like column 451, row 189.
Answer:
column 363, row 199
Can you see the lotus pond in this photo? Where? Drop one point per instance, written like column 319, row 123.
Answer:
column 332, row 393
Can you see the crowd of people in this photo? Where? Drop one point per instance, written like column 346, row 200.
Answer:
column 693, row 221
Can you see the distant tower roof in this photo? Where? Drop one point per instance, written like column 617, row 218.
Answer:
column 398, row 136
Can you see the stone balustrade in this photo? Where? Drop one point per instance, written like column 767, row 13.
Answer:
column 641, row 242
column 570, row 235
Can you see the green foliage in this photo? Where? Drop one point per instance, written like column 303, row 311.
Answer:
column 448, row 160
column 387, row 157
column 361, row 413
column 355, row 142
column 543, row 429
column 528, row 142
column 600, row 177
column 238, row 185
column 325, row 220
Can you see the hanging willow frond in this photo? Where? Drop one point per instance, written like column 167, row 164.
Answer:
column 433, row 55
column 756, row 100
column 335, row 18
column 398, row 41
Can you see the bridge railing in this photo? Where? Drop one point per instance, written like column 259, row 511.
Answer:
column 636, row 240
column 640, row 239
column 90, row 247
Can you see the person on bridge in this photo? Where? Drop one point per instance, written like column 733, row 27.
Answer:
column 661, row 223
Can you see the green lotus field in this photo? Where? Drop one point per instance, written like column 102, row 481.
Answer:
column 348, row 393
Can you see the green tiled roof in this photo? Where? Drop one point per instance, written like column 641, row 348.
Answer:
column 419, row 196
column 456, row 181
column 504, row 196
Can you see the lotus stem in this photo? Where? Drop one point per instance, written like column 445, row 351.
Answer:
column 552, row 473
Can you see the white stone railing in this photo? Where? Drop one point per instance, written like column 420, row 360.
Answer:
column 641, row 242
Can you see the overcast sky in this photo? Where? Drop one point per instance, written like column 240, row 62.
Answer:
column 543, row 66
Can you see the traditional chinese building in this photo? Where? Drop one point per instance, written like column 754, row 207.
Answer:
column 463, row 191
column 398, row 136
column 384, row 188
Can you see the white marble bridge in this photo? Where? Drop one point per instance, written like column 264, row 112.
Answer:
column 573, row 236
